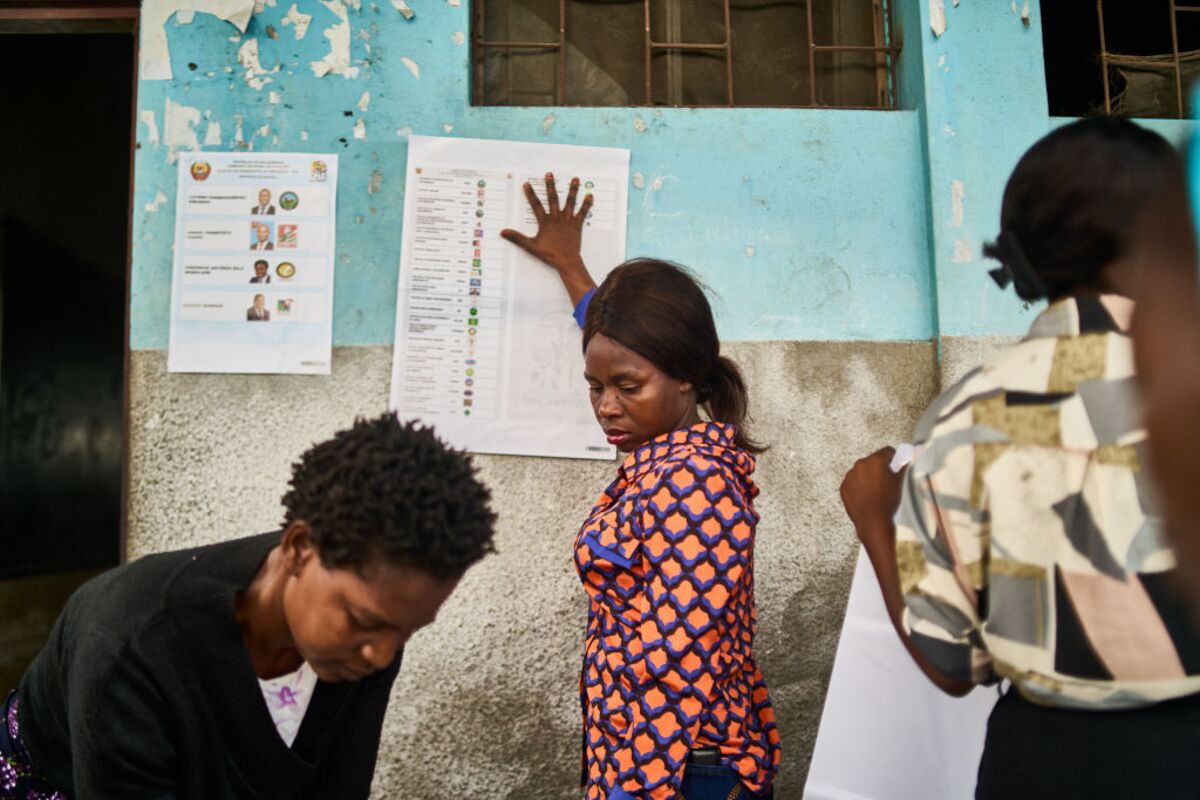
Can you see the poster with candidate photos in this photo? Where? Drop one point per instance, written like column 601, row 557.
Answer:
column 252, row 284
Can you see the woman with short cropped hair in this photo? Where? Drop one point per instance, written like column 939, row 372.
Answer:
column 262, row 666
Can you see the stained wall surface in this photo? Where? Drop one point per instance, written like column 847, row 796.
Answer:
column 487, row 704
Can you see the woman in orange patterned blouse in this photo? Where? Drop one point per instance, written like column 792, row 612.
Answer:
column 673, row 702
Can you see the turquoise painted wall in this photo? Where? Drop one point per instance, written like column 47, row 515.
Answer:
column 981, row 100
column 982, row 104
column 806, row 224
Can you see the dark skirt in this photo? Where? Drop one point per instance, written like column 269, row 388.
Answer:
column 18, row 780
column 1035, row 751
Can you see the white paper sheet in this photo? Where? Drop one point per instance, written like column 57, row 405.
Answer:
column 887, row 733
column 486, row 347
column 228, row 313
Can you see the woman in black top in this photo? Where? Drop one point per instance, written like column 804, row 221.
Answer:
column 149, row 685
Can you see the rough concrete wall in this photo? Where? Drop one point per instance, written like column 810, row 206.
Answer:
column 961, row 354
column 486, row 703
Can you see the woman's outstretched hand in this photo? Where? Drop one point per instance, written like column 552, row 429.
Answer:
column 559, row 235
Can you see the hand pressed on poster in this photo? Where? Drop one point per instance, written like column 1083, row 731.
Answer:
column 558, row 241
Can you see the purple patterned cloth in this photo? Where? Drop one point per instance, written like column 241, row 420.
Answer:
column 18, row 781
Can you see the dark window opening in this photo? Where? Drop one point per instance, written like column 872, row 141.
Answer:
column 774, row 53
column 1133, row 58
column 64, row 222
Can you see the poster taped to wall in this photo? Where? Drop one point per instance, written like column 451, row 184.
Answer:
column 887, row 733
column 252, row 284
column 486, row 348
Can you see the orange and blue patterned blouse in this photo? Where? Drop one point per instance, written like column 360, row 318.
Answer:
column 667, row 560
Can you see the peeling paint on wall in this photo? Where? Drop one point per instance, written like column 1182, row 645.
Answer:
column 548, row 122
column 639, row 124
column 962, row 253
column 154, row 57
column 360, row 129
column 1025, row 14
column 375, row 183
column 657, row 185
column 337, row 60
column 937, row 16
column 274, row 98
column 212, row 134
column 364, row 101
column 957, row 192
column 248, row 57
column 750, row 251
column 179, row 126
column 639, row 180
column 311, row 116
column 411, row 65
column 298, row 21
column 403, row 8
column 160, row 197
column 458, row 37
column 148, row 119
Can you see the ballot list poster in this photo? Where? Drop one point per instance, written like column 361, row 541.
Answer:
column 486, row 348
column 252, row 283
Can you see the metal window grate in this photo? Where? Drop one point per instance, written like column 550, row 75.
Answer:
column 879, row 57
column 1169, row 66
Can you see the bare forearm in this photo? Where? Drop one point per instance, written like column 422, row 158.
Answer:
column 575, row 278
column 883, row 559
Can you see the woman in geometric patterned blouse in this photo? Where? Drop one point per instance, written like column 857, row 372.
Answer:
column 1024, row 543
column 673, row 702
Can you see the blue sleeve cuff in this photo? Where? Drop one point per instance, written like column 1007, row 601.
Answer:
column 607, row 553
column 620, row 794
column 582, row 306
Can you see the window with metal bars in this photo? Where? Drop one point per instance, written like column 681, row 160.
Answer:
column 1133, row 58
column 775, row 53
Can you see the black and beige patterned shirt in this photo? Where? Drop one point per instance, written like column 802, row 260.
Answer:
column 1028, row 540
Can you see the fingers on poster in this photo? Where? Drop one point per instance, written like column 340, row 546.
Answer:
column 254, row 243
column 486, row 347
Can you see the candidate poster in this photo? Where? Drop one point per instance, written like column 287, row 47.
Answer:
column 252, row 283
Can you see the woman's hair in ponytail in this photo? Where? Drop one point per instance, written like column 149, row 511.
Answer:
column 659, row 311
column 1070, row 205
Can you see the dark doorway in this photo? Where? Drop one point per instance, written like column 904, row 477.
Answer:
column 64, row 230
